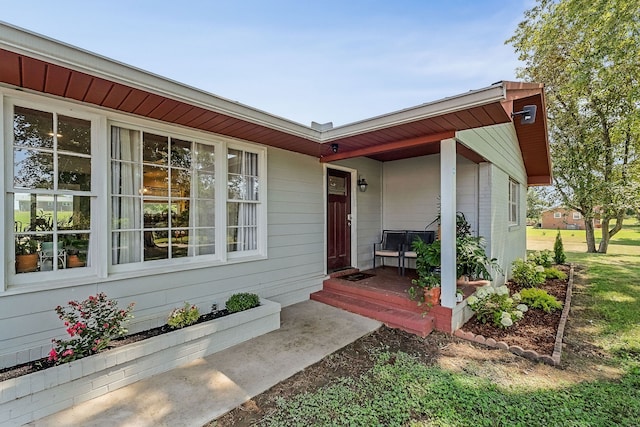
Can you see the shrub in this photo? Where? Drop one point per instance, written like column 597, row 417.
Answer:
column 526, row 273
column 242, row 301
column 542, row 258
column 183, row 316
column 91, row 324
column 496, row 306
column 558, row 250
column 554, row 273
column 539, row 298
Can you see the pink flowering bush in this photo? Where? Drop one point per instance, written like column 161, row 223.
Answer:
column 91, row 325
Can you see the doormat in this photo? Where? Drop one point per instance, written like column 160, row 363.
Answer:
column 354, row 277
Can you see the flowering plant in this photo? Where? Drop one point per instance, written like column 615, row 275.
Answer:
column 495, row 305
column 91, row 324
column 183, row 316
column 527, row 273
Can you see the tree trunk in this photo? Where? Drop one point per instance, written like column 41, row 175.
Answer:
column 608, row 234
column 590, row 235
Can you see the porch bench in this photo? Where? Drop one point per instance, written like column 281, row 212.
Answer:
column 397, row 244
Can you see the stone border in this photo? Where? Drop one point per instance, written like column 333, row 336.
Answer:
column 554, row 359
column 36, row 395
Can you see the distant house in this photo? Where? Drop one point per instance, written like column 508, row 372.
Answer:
column 170, row 194
column 564, row 219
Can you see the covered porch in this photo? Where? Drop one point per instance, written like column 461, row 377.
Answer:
column 472, row 154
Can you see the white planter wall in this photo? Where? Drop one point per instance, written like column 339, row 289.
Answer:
column 42, row 393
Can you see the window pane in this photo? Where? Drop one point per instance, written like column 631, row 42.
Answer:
column 32, row 169
column 204, row 213
column 181, row 213
column 73, row 212
column 205, row 241
column 234, row 162
column 252, row 188
column 125, row 247
column 125, row 144
column 156, row 214
column 156, row 180
column 74, row 173
column 180, row 183
column 179, row 243
column 33, row 212
column 180, row 153
column 74, row 135
column 205, row 160
column 125, row 212
column 32, row 128
column 155, row 149
column 76, row 247
column 205, row 185
column 156, row 245
column 126, row 179
column 337, row 185
column 26, row 252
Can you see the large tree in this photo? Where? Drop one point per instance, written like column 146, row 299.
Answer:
column 587, row 52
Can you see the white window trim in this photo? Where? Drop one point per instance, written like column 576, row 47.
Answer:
column 576, row 215
column 66, row 277
column 557, row 215
column 514, row 184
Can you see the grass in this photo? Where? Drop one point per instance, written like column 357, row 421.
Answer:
column 400, row 390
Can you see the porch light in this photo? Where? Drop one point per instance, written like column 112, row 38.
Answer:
column 362, row 184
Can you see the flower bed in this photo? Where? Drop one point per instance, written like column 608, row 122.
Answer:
column 29, row 397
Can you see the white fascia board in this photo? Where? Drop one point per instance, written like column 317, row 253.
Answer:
column 474, row 98
column 25, row 42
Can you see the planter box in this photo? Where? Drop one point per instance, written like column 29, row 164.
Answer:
column 45, row 392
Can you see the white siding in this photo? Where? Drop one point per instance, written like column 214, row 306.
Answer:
column 412, row 192
column 294, row 269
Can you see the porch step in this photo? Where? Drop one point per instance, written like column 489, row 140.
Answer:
column 410, row 321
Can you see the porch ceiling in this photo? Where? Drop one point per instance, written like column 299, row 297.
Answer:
column 27, row 62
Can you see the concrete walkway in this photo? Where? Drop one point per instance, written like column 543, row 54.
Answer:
column 195, row 394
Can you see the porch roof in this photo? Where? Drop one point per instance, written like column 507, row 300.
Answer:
column 43, row 65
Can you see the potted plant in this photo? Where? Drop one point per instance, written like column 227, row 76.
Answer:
column 472, row 262
column 26, row 249
column 427, row 286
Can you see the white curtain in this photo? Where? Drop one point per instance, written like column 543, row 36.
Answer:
column 126, row 186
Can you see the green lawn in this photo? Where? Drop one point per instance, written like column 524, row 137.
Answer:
column 402, row 391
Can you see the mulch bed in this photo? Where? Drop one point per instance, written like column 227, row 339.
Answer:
column 537, row 330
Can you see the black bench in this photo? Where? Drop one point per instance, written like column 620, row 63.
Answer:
column 397, row 244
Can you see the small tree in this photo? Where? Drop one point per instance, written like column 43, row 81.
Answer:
column 558, row 250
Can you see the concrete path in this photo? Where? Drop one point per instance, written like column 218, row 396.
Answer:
column 197, row 393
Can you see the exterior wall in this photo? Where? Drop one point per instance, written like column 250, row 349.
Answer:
column 411, row 192
column 293, row 269
column 368, row 209
column 505, row 241
column 566, row 221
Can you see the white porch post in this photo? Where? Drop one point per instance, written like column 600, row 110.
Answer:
column 448, row 221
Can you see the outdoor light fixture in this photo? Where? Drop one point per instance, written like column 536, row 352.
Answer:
column 334, row 147
column 528, row 114
column 362, row 183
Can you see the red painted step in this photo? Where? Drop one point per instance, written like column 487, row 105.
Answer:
column 394, row 317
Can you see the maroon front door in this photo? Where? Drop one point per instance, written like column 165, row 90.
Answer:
column 338, row 219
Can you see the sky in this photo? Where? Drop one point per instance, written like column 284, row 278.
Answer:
column 323, row 61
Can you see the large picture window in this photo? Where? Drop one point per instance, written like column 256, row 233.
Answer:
column 162, row 197
column 51, row 191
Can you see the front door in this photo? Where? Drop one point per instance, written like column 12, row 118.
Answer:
column 338, row 219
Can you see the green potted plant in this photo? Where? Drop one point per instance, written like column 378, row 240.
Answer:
column 427, row 286
column 472, row 262
column 26, row 249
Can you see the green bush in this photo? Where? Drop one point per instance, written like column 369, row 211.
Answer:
column 539, row 298
column 242, row 301
column 526, row 273
column 494, row 305
column 558, row 250
column 554, row 273
column 542, row 258
column 183, row 316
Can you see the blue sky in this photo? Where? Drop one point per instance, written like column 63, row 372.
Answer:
column 338, row 61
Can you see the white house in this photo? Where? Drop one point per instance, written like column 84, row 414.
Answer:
column 169, row 194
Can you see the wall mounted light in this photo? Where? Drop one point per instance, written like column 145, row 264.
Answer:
column 334, row 147
column 362, row 184
column 528, row 114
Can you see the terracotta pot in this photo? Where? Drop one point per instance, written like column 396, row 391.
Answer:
column 74, row 261
column 26, row 263
column 464, row 280
column 432, row 296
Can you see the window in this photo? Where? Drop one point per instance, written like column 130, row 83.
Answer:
column 557, row 215
column 576, row 215
column 513, row 202
column 242, row 201
column 162, row 197
column 51, row 191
